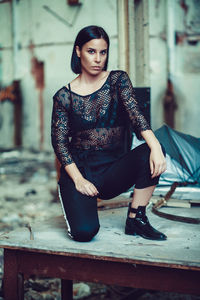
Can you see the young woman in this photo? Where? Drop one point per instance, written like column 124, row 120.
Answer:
column 89, row 123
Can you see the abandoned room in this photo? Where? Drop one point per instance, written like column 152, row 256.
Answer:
column 154, row 52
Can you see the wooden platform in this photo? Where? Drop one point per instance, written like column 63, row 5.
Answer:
column 111, row 257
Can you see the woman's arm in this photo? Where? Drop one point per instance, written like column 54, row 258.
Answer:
column 141, row 126
column 60, row 143
column 60, row 130
column 157, row 159
column 130, row 103
column 82, row 185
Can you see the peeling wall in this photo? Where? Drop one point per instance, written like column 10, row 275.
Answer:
column 44, row 32
column 175, row 55
column 6, row 75
column 36, row 44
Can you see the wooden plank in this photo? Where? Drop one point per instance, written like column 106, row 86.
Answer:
column 195, row 201
column 172, row 265
column 118, row 273
column 20, row 283
column 180, row 250
column 66, row 289
column 50, row 237
column 10, row 286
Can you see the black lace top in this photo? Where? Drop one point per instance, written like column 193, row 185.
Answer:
column 96, row 121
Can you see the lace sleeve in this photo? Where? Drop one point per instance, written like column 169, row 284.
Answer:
column 127, row 96
column 60, row 132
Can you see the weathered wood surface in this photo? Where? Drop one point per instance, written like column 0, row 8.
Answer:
column 90, row 269
column 180, row 251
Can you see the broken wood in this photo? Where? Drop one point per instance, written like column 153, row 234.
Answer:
column 117, row 202
column 163, row 201
column 172, row 202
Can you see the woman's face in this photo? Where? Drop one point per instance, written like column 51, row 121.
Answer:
column 93, row 56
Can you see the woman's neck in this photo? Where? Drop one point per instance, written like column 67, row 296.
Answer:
column 86, row 83
column 90, row 79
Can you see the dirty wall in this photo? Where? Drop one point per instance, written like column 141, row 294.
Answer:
column 36, row 43
column 175, row 56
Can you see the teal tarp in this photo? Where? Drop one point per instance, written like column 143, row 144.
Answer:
column 184, row 152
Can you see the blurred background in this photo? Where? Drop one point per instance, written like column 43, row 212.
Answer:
column 156, row 41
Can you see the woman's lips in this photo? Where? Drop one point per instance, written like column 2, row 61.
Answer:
column 96, row 68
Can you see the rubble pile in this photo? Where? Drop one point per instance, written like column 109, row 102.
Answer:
column 27, row 188
column 28, row 192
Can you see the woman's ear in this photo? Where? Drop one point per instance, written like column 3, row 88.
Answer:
column 78, row 52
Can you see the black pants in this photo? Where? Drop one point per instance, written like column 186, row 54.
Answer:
column 111, row 179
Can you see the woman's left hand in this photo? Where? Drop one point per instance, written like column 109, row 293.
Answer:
column 157, row 162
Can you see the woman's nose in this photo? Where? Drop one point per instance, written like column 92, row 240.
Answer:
column 98, row 57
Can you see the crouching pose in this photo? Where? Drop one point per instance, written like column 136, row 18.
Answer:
column 89, row 122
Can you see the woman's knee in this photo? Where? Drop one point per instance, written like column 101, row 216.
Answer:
column 85, row 234
column 143, row 153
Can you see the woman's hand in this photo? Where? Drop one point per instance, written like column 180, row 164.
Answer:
column 82, row 185
column 157, row 159
column 157, row 162
column 85, row 187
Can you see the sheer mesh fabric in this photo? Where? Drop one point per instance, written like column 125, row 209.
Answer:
column 60, row 130
column 97, row 121
column 99, row 138
column 86, row 108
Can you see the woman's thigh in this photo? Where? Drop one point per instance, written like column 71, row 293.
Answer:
column 80, row 211
column 132, row 168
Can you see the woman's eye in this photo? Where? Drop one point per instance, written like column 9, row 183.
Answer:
column 103, row 52
column 91, row 51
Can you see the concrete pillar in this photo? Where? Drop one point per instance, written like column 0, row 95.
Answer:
column 123, row 34
column 141, row 24
column 133, row 39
